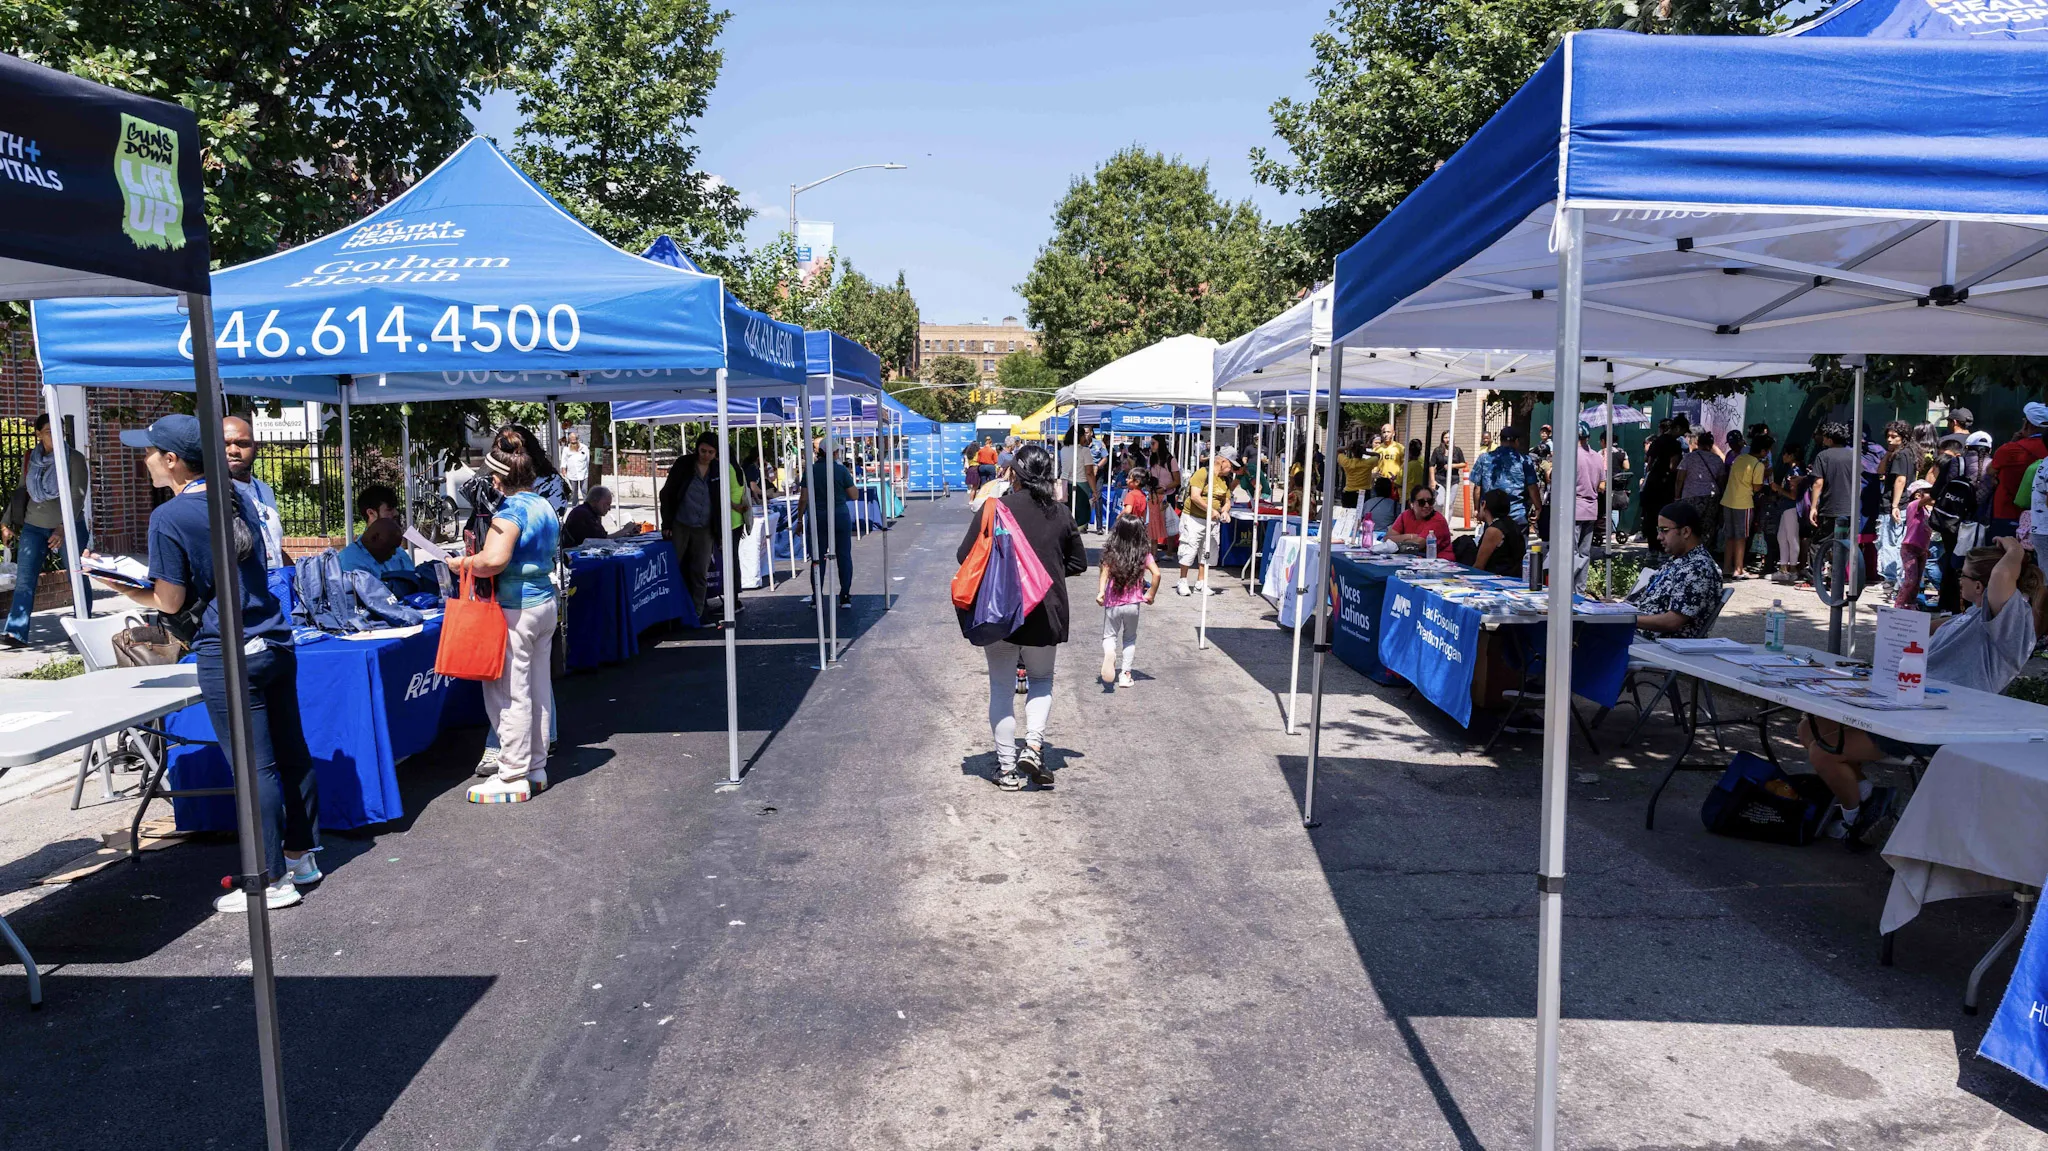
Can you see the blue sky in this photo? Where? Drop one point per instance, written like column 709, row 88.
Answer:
column 995, row 107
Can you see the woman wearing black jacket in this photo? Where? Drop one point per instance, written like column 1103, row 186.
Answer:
column 1049, row 529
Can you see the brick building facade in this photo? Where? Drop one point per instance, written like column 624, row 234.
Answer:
column 121, row 493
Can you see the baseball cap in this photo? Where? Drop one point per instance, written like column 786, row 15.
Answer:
column 1962, row 416
column 2037, row 414
column 176, row 434
column 1980, row 439
column 1918, row 486
column 1227, row 455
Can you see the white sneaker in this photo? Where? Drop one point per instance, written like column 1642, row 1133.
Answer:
column 305, row 870
column 283, row 893
column 1125, row 680
column 1212, row 591
column 537, row 780
column 1182, row 589
column 495, row 790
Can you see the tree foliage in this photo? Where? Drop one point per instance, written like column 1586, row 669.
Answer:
column 834, row 296
column 312, row 113
column 1400, row 85
column 953, row 372
column 1027, row 372
column 608, row 92
column 1143, row 249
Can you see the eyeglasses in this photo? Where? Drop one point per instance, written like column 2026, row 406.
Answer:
column 1425, row 503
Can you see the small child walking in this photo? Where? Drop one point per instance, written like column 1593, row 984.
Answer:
column 1913, row 545
column 1130, row 577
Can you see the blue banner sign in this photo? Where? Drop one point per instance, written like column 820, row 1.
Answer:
column 1432, row 642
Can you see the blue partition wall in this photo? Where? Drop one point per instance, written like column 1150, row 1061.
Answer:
column 935, row 460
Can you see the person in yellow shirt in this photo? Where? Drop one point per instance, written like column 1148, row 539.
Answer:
column 1414, row 473
column 1207, row 510
column 1391, row 457
column 1747, row 474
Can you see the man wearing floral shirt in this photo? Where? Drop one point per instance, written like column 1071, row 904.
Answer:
column 1684, row 596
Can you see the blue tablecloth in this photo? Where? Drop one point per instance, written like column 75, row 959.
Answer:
column 365, row 704
column 615, row 597
column 1434, row 642
column 1360, row 588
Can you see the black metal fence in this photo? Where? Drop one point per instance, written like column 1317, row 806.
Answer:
column 307, row 480
column 17, row 440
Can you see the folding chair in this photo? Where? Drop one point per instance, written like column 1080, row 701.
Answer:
column 94, row 640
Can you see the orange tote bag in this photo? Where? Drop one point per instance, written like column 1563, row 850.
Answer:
column 472, row 636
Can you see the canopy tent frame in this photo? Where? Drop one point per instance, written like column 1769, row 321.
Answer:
column 1658, row 133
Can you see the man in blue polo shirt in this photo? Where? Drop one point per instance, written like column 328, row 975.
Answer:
column 1509, row 469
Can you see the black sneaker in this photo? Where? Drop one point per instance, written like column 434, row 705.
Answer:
column 1013, row 780
column 846, row 601
column 1869, row 815
column 1031, row 761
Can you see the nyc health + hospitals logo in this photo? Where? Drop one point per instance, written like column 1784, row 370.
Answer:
column 146, row 167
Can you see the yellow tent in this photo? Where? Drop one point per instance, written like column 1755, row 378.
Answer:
column 1031, row 427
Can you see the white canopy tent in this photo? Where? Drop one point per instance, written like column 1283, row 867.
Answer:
column 1723, row 199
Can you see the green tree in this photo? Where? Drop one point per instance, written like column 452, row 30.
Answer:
column 953, row 372
column 1141, row 250
column 312, row 113
column 608, row 90
column 882, row 319
column 1027, row 373
column 833, row 296
column 1400, row 85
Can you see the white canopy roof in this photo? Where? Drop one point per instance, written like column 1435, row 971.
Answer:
column 1176, row 370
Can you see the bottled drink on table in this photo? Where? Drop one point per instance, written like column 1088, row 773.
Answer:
column 1912, row 674
column 1774, row 626
column 1429, row 546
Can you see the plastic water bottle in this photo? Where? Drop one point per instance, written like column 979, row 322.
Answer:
column 1912, row 674
column 1429, row 546
column 1774, row 626
column 1529, row 569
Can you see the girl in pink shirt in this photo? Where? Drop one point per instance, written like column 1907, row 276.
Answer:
column 1913, row 546
column 1127, row 568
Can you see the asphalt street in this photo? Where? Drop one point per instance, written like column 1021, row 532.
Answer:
column 868, row 945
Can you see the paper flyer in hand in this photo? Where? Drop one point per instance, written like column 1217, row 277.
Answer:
column 117, row 569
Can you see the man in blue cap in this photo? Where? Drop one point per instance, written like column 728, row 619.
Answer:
column 183, row 589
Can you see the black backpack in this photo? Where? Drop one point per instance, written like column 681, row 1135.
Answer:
column 1955, row 497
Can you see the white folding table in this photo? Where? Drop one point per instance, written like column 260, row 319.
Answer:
column 44, row 718
column 1965, row 715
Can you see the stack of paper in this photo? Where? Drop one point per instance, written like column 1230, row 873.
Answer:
column 1708, row 645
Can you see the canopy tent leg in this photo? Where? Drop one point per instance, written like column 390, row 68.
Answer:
column 1322, row 642
column 67, row 504
column 831, row 512
column 1851, row 586
column 1557, row 689
column 254, row 877
column 405, row 455
column 730, row 581
column 348, row 470
column 555, row 430
column 1444, row 499
column 1251, row 581
column 808, row 461
column 1215, row 526
column 887, row 502
column 1308, row 431
column 768, row 514
column 1607, row 529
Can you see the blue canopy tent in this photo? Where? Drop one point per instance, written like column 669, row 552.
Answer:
column 1928, row 20
column 474, row 283
column 1723, row 199
column 839, row 365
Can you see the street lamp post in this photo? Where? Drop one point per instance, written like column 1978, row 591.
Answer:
column 794, row 189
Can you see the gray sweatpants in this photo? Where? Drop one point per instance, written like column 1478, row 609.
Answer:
column 1120, row 628
column 1003, row 658
column 520, row 701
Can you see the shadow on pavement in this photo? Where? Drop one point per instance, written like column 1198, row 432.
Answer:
column 1666, row 926
column 152, row 1048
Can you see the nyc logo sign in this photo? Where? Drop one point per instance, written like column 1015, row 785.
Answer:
column 1401, row 608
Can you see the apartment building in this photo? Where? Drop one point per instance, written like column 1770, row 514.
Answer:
column 984, row 345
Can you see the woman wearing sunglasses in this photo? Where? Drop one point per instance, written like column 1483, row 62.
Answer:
column 1420, row 520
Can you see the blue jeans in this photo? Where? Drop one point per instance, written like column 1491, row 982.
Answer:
column 285, row 787
column 29, row 557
